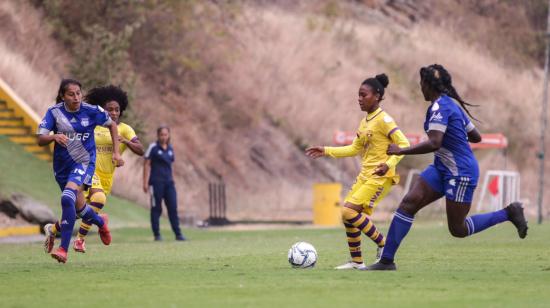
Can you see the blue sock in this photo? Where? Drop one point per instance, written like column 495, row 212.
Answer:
column 89, row 216
column 68, row 216
column 399, row 227
column 480, row 222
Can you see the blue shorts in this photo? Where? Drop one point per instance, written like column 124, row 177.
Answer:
column 455, row 188
column 80, row 174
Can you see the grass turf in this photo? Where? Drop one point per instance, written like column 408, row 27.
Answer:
column 249, row 269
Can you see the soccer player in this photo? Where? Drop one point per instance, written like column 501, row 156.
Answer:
column 376, row 131
column 454, row 173
column 72, row 123
column 159, row 182
column 115, row 101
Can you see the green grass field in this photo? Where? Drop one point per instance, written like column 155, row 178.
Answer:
column 249, row 269
column 220, row 268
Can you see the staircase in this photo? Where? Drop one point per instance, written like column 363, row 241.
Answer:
column 19, row 123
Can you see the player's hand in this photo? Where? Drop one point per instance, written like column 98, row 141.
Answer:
column 381, row 169
column 61, row 139
column 145, row 188
column 393, row 149
column 117, row 160
column 315, row 152
column 122, row 140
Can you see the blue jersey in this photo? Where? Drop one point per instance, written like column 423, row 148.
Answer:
column 455, row 157
column 79, row 127
column 161, row 163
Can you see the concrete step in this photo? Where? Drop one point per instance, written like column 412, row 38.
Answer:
column 23, row 139
column 13, row 121
column 43, row 156
column 7, row 113
column 34, row 148
column 14, row 130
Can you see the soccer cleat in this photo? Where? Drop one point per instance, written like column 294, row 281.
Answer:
column 158, row 238
column 50, row 238
column 378, row 266
column 60, row 254
column 379, row 251
column 516, row 216
column 180, row 238
column 351, row 265
column 79, row 245
column 104, row 232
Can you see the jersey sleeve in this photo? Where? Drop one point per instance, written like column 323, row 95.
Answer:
column 147, row 154
column 439, row 117
column 394, row 133
column 47, row 125
column 468, row 125
column 101, row 117
column 128, row 133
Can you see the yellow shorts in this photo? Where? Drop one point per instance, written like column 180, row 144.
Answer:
column 368, row 193
column 103, row 182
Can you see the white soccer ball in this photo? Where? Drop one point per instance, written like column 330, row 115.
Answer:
column 302, row 255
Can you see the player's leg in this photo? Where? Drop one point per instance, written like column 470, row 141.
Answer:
column 96, row 199
column 171, row 201
column 426, row 189
column 68, row 218
column 458, row 206
column 156, row 191
column 353, row 234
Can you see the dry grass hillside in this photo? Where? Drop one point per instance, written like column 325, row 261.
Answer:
column 287, row 77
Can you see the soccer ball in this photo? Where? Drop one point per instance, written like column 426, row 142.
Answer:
column 302, row 255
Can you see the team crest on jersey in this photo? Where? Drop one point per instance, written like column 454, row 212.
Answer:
column 170, row 152
column 85, row 122
column 436, row 116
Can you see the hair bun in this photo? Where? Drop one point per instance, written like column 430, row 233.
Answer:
column 383, row 79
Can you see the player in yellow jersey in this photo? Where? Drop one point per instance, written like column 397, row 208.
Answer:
column 114, row 100
column 376, row 132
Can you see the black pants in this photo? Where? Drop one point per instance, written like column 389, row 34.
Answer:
column 166, row 191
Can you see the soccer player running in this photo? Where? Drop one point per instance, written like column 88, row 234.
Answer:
column 454, row 173
column 72, row 123
column 115, row 101
column 376, row 132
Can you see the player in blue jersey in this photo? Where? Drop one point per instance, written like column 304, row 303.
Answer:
column 72, row 123
column 454, row 173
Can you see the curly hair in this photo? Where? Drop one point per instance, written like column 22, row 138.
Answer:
column 440, row 80
column 102, row 95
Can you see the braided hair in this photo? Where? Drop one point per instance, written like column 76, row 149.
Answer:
column 439, row 79
column 102, row 95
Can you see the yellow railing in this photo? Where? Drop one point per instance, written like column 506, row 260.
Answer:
column 30, row 118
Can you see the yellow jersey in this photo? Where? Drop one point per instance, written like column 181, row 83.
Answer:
column 104, row 147
column 375, row 133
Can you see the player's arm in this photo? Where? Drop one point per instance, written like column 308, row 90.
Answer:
column 134, row 145
column 399, row 139
column 61, row 139
column 45, row 128
column 473, row 134
column 435, row 139
column 114, row 137
column 146, row 172
column 147, row 167
column 335, row 152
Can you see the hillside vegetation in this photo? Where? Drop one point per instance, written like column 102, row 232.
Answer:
column 247, row 85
